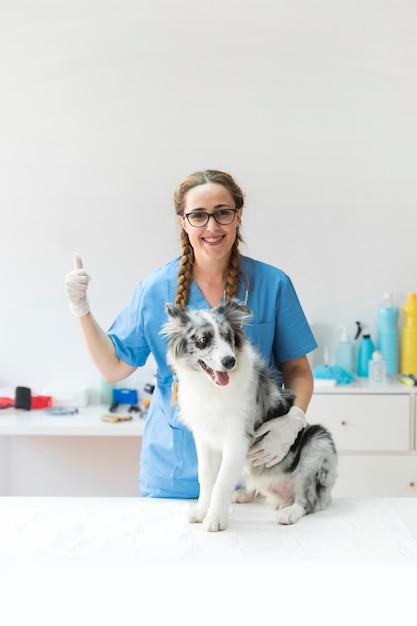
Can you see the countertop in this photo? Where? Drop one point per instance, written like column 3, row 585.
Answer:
column 87, row 422
column 363, row 386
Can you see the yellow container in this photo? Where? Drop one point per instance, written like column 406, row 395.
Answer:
column 408, row 363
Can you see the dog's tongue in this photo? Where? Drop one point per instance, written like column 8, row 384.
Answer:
column 221, row 378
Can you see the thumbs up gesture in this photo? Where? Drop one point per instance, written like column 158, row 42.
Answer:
column 76, row 283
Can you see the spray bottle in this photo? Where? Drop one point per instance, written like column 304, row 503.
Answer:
column 366, row 349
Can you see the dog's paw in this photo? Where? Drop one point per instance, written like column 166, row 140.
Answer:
column 196, row 515
column 241, row 496
column 213, row 523
column 291, row 514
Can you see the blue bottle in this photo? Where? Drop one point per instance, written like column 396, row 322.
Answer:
column 388, row 336
column 366, row 349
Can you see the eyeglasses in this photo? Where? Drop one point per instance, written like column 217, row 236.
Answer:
column 198, row 219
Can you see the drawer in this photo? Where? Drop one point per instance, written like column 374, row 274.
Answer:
column 363, row 476
column 373, row 423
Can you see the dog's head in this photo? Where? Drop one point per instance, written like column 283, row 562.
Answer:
column 206, row 340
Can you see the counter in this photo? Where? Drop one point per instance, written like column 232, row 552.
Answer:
column 363, row 386
column 68, row 455
column 86, row 423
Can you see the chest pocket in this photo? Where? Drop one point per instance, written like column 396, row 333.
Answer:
column 262, row 337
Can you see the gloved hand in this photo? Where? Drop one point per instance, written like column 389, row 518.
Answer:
column 76, row 283
column 278, row 435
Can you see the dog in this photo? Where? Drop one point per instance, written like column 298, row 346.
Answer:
column 225, row 392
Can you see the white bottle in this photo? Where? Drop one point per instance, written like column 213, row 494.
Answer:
column 345, row 352
column 377, row 370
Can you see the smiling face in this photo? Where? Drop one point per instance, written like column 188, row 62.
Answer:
column 212, row 242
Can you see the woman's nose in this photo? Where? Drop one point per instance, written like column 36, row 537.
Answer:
column 212, row 224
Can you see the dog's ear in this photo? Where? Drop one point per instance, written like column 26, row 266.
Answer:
column 178, row 318
column 235, row 311
column 174, row 330
column 178, row 313
column 170, row 309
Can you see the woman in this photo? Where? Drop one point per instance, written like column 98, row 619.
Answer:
column 209, row 206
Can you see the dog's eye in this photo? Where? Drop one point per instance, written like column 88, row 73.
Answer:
column 202, row 342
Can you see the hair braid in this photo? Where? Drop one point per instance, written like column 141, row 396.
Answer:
column 232, row 282
column 185, row 272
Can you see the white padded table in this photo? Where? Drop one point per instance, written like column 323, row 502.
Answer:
column 116, row 557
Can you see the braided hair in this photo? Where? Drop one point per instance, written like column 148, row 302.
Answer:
column 185, row 272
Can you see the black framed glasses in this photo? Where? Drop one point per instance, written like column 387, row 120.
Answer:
column 198, row 219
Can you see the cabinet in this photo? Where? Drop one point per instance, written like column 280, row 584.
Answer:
column 375, row 436
column 71, row 455
column 80, row 455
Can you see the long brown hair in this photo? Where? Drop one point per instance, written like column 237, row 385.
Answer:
column 185, row 273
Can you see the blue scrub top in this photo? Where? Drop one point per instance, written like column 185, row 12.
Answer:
column 278, row 328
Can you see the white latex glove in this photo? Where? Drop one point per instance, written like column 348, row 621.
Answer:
column 76, row 283
column 278, row 435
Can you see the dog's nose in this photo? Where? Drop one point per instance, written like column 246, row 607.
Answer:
column 228, row 362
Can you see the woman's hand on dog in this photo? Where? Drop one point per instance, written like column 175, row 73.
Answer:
column 76, row 283
column 278, row 435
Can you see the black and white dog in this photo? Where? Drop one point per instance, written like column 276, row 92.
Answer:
column 225, row 393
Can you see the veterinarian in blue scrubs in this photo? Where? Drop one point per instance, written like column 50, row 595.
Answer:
column 210, row 268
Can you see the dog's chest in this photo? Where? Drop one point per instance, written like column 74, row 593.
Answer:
column 215, row 415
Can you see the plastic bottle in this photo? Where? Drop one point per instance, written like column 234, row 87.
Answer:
column 366, row 349
column 106, row 391
column 377, row 369
column 345, row 351
column 388, row 336
column 409, row 337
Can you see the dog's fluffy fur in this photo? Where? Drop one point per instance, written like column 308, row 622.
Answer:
column 225, row 393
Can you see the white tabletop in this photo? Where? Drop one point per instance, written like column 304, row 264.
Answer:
column 111, row 560
column 382, row 529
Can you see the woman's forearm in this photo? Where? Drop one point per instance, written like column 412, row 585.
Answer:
column 299, row 379
column 101, row 350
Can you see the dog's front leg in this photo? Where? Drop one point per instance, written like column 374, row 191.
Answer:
column 230, row 473
column 208, row 467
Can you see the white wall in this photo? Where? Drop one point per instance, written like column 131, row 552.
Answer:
column 105, row 105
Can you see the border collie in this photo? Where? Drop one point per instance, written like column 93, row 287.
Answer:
column 225, row 392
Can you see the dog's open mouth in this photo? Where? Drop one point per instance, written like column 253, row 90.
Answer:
column 220, row 378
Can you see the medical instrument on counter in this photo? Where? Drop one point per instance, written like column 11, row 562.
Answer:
column 61, row 410
column 125, row 396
